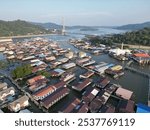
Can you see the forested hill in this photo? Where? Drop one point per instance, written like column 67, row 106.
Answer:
column 19, row 27
column 140, row 37
column 134, row 26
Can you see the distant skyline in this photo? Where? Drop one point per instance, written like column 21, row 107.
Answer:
column 77, row 12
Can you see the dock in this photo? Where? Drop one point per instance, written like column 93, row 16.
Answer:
column 137, row 71
column 143, row 74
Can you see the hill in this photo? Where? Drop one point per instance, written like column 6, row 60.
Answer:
column 48, row 25
column 140, row 37
column 19, row 27
column 134, row 26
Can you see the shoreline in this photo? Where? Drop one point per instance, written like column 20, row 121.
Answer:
column 23, row 36
column 131, row 46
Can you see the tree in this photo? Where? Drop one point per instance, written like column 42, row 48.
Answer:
column 21, row 71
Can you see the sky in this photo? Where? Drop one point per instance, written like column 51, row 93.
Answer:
column 77, row 12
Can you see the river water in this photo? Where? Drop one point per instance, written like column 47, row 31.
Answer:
column 132, row 81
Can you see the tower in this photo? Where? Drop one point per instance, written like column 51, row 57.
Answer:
column 63, row 27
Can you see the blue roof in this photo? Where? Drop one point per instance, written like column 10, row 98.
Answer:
column 141, row 108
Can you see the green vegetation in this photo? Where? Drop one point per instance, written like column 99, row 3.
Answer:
column 141, row 37
column 18, row 27
column 21, row 71
column 134, row 26
column 44, row 73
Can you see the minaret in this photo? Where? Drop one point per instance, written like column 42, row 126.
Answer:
column 63, row 27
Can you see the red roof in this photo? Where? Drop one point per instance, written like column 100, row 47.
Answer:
column 141, row 55
column 35, row 79
column 50, row 89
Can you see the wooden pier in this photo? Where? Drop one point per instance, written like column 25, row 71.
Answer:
column 143, row 74
column 137, row 71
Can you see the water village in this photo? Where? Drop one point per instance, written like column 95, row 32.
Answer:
column 65, row 81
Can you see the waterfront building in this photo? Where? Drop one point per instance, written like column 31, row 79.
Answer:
column 68, row 65
column 87, row 74
column 43, row 93
column 50, row 58
column 82, row 85
column 54, row 97
column 82, row 54
column 119, row 51
column 126, row 106
column 71, row 105
column 63, row 60
column 69, row 55
column 2, row 48
column 102, row 83
column 107, row 109
column 3, row 86
column 124, row 93
column 90, row 94
column 141, row 58
column 81, row 108
column 67, row 76
column 19, row 104
column 36, row 79
column 95, row 105
column 6, row 92
column 57, row 72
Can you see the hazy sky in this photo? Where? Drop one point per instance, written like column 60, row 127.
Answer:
column 77, row 12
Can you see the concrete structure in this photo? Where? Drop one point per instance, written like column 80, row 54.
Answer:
column 19, row 104
column 6, row 92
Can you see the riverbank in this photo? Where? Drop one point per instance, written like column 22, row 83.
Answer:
column 135, row 46
column 24, row 36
